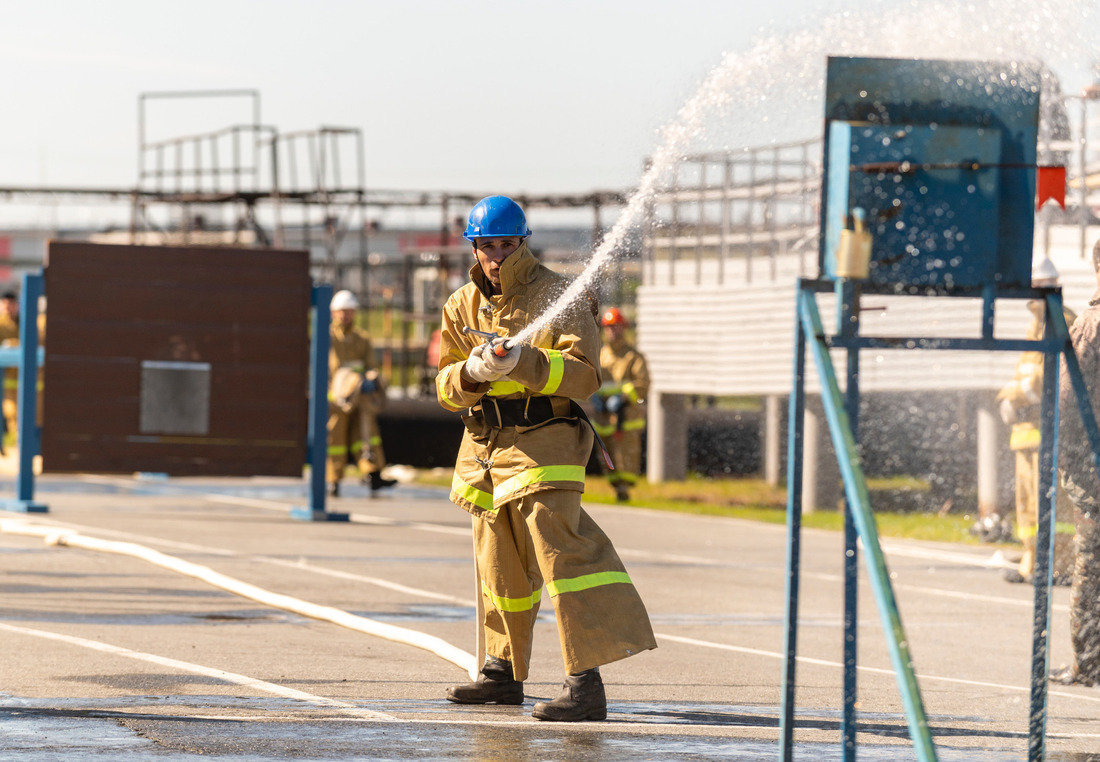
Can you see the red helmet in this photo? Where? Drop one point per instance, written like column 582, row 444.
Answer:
column 614, row 316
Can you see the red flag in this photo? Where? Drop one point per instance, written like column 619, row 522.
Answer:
column 1051, row 185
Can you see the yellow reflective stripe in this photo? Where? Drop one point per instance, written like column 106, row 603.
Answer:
column 337, row 450
column 504, row 387
column 1025, row 438
column 630, row 391
column 11, row 383
column 376, row 440
column 536, row 475
column 557, row 370
column 357, row 447
column 603, row 431
column 1060, row 527
column 512, row 604
column 444, row 378
column 586, row 582
column 471, row 494
column 635, row 425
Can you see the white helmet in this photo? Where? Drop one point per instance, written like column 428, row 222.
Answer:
column 344, row 300
column 1044, row 273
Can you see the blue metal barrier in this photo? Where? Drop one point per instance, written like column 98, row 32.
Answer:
column 317, row 446
column 840, row 412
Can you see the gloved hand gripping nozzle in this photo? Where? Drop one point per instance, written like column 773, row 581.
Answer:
column 497, row 345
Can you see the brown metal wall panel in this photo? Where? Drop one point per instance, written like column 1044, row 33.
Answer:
column 111, row 308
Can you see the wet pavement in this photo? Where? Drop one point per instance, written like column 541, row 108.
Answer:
column 186, row 617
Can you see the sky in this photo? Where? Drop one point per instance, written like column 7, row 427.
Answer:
column 516, row 96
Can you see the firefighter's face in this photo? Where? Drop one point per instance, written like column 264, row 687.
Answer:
column 491, row 253
column 614, row 333
column 344, row 318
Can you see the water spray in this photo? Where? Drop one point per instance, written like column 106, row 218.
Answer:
column 789, row 65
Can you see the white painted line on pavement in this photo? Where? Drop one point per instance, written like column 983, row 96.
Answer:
column 875, row 670
column 11, row 526
column 894, row 548
column 377, row 581
column 437, row 646
column 197, row 669
column 357, row 518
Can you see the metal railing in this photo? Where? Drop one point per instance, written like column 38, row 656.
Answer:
column 728, row 213
column 737, row 209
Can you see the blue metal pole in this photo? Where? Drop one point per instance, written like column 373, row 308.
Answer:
column 27, row 398
column 317, row 445
column 848, row 325
column 795, row 424
column 855, row 488
column 1044, row 539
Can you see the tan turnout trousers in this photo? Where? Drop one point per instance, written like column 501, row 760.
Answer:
column 601, row 617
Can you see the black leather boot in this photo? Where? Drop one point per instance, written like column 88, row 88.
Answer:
column 494, row 685
column 582, row 698
column 377, row 482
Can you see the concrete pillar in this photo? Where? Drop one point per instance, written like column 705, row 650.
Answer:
column 989, row 441
column 667, row 441
column 773, row 438
column 821, row 487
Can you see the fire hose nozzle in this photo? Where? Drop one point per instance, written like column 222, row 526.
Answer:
column 497, row 345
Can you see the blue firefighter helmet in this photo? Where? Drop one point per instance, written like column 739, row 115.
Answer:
column 496, row 217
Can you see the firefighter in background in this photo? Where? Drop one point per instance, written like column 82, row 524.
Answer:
column 9, row 337
column 355, row 395
column 618, row 419
column 520, row 472
column 1020, row 408
column 1079, row 482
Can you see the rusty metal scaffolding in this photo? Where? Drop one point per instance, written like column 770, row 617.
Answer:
column 320, row 174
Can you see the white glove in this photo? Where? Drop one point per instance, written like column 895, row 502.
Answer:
column 1027, row 386
column 477, row 368
column 502, row 365
column 1008, row 412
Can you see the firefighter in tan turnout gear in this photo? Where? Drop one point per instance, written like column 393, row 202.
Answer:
column 9, row 337
column 619, row 421
column 1019, row 407
column 1079, row 482
column 355, row 396
column 521, row 469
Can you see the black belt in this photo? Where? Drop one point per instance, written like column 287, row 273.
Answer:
column 531, row 411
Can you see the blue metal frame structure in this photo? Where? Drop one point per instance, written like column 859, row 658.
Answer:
column 317, row 445
column 841, row 413
column 27, row 357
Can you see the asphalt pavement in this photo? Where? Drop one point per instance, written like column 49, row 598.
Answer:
column 173, row 618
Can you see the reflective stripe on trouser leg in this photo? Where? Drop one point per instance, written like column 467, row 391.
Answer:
column 341, row 440
column 1027, row 517
column 511, row 585
column 601, row 617
column 372, row 457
